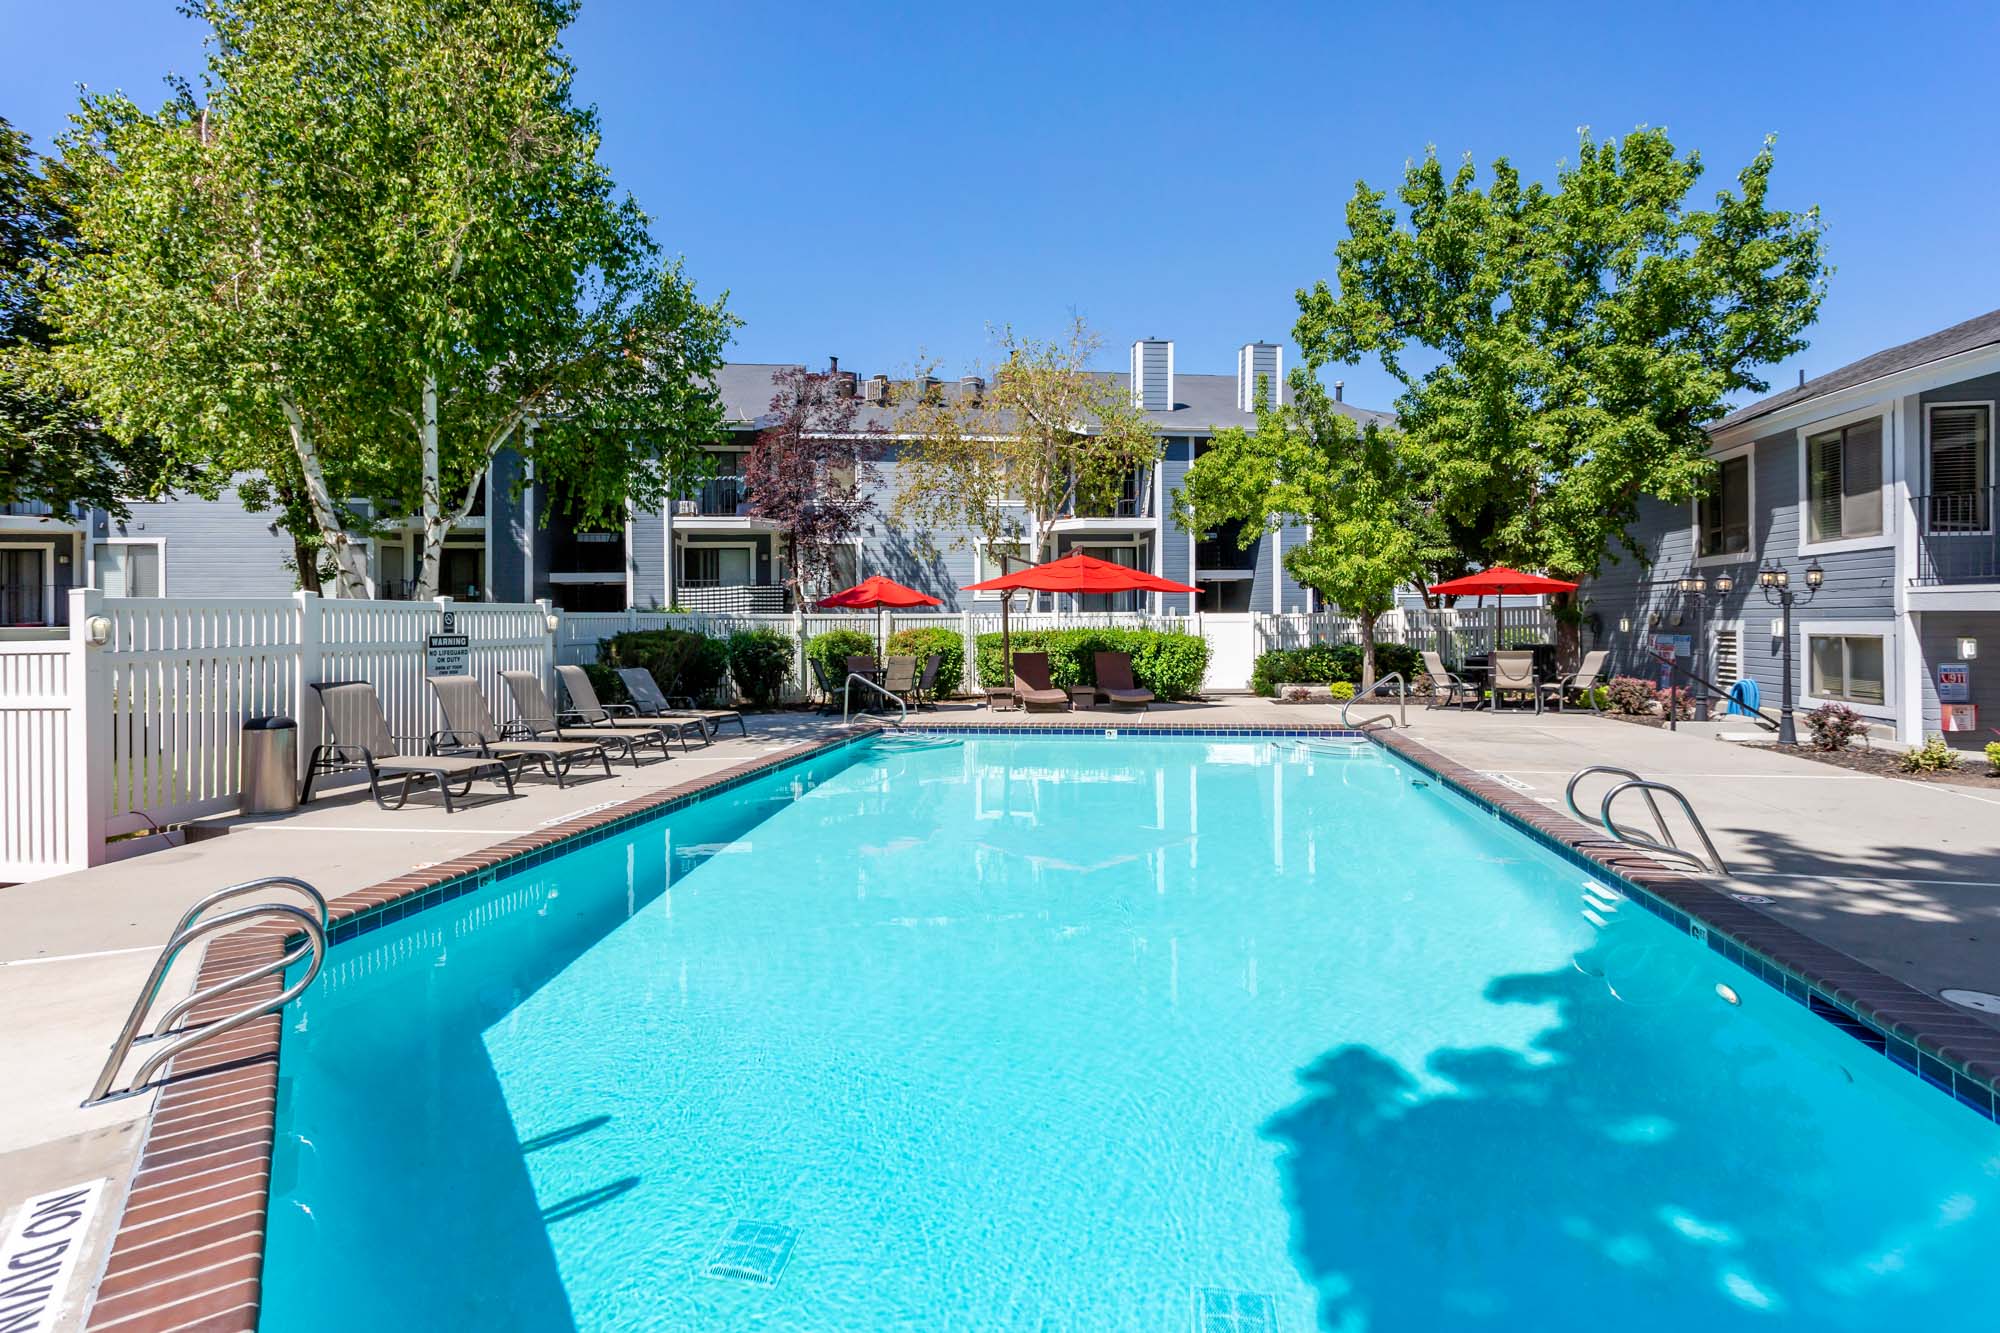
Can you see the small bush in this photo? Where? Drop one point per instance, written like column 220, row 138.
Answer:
column 1834, row 725
column 1341, row 690
column 1676, row 703
column 1297, row 694
column 832, row 649
column 1167, row 662
column 921, row 643
column 1325, row 663
column 682, row 661
column 761, row 661
column 1993, row 759
column 1933, row 756
column 1630, row 696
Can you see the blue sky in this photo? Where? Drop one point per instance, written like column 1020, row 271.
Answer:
column 883, row 183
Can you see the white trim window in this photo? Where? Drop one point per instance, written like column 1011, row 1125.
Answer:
column 1959, row 458
column 131, row 566
column 1844, row 471
column 1722, row 513
column 987, row 564
column 1848, row 668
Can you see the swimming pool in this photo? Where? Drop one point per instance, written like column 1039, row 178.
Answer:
column 1019, row 1032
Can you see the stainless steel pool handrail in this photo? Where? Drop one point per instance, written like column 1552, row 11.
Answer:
column 847, row 697
column 1402, row 704
column 1709, row 861
column 194, row 925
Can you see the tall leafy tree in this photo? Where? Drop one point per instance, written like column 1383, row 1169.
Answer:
column 1562, row 349
column 1048, row 433
column 1361, row 498
column 808, row 472
column 380, row 243
column 51, row 451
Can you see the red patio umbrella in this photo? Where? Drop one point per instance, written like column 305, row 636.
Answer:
column 876, row 592
column 1074, row 573
column 1500, row 581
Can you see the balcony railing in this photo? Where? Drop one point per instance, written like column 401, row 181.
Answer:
column 724, row 497
column 1134, row 500
column 738, row 599
column 1956, row 541
column 35, row 509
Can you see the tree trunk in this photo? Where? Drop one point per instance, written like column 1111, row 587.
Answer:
column 1569, row 630
column 433, row 504
column 350, row 562
column 1367, row 619
column 306, row 556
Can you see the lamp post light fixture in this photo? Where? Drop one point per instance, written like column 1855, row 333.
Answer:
column 1776, row 582
column 1697, row 587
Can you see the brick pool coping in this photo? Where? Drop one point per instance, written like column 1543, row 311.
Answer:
column 189, row 1249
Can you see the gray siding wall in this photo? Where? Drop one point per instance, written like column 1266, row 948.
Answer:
column 507, row 530
column 1938, row 635
column 1176, row 554
column 214, row 548
column 646, row 556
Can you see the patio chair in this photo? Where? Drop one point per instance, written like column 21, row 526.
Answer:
column 1582, row 681
column 651, row 701
column 1513, row 672
column 538, row 718
column 926, row 695
column 359, row 738
column 829, row 692
column 1446, row 689
column 469, row 725
column 899, row 677
column 1032, row 689
column 584, row 707
column 1115, row 684
column 861, row 666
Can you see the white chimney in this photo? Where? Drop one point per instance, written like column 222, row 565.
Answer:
column 1153, row 375
column 1259, row 364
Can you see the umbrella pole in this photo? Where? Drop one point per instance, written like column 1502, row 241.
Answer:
column 1006, row 636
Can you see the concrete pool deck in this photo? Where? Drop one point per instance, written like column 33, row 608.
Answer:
column 1905, row 877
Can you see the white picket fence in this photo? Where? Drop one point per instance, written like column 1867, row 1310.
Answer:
column 134, row 719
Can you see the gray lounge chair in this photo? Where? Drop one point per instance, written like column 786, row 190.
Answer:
column 1032, row 689
column 1115, row 684
column 587, row 711
column 469, row 725
column 359, row 738
column 538, row 720
column 648, row 698
column 1446, row 689
column 1580, row 682
column 1513, row 672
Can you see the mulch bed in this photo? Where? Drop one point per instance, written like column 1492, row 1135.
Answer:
column 1881, row 761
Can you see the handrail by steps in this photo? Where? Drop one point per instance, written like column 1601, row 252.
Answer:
column 1666, row 845
column 847, row 697
column 192, row 926
column 1402, row 703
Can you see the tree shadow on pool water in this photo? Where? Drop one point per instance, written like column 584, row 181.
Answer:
column 1576, row 1187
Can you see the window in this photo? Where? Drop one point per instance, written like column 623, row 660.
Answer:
column 1844, row 482
column 1722, row 516
column 717, row 566
column 1961, row 450
column 129, row 569
column 1847, row 667
column 988, row 564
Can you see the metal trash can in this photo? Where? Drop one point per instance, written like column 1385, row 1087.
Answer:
column 270, row 767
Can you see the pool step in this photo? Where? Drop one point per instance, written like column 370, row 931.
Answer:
column 1219, row 1311
column 752, row 1251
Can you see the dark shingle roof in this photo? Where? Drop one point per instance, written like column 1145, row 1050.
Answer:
column 1974, row 333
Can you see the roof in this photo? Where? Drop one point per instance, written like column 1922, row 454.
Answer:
column 1981, row 331
column 1203, row 403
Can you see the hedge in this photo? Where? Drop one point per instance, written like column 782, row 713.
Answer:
column 761, row 661
column 921, row 643
column 1325, row 663
column 682, row 661
column 832, row 649
column 1167, row 662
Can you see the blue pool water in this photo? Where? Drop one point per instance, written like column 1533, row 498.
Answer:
column 1081, row 1033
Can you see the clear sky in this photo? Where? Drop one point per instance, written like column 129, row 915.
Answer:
column 881, row 183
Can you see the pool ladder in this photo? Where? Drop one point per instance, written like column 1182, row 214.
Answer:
column 1708, row 861
column 1402, row 705
column 847, row 698
column 195, row 924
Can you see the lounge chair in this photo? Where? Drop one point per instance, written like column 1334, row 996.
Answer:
column 926, row 695
column 1032, row 689
column 1115, row 684
column 537, row 718
column 587, row 711
column 899, row 677
column 359, row 738
column 829, row 692
column 651, row 701
column 1446, row 689
column 1513, row 672
column 1581, row 682
column 469, row 725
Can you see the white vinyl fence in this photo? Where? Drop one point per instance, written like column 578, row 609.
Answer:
column 133, row 720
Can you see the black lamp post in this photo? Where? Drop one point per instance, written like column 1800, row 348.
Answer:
column 1697, row 588
column 1776, row 582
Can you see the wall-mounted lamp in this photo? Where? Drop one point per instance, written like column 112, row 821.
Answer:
column 98, row 630
column 1968, row 649
column 554, row 622
column 1624, row 624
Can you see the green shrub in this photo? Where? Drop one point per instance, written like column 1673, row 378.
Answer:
column 761, row 661
column 1325, row 663
column 1341, row 690
column 1167, row 662
column 1631, row 696
column 1993, row 759
column 832, row 649
column 1834, row 725
column 1933, row 756
column 682, row 661
column 921, row 643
